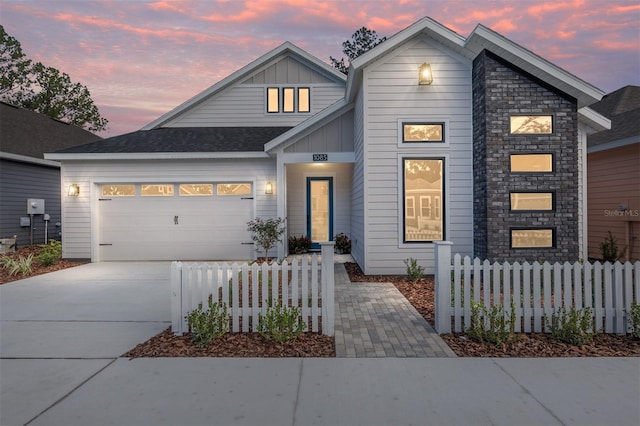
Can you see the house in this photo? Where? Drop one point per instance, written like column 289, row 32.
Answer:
column 613, row 165
column 25, row 136
column 432, row 136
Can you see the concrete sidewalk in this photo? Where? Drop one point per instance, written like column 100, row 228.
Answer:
column 62, row 334
column 365, row 391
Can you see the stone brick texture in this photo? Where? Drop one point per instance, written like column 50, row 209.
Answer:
column 501, row 90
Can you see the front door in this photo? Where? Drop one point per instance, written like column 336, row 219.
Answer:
column 319, row 210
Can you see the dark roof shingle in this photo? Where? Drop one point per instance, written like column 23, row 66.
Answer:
column 622, row 107
column 184, row 139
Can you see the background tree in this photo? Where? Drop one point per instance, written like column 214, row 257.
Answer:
column 44, row 89
column 361, row 41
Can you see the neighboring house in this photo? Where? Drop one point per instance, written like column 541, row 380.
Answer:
column 613, row 179
column 24, row 173
column 490, row 155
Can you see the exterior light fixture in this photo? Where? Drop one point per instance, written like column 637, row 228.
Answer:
column 269, row 188
column 425, row 76
column 74, row 190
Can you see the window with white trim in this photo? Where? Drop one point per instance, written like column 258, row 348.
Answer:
column 288, row 100
column 423, row 182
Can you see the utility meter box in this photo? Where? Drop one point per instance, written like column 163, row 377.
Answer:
column 35, row 206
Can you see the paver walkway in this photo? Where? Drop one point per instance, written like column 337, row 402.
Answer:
column 375, row 320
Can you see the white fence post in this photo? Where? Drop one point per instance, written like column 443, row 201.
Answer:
column 328, row 284
column 443, row 286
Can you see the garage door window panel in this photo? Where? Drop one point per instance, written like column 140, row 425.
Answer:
column 223, row 189
column 118, row 190
column 156, row 190
column 196, row 190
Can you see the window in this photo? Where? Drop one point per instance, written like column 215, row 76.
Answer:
column 156, row 190
column 531, row 124
column 233, row 189
column 532, row 238
column 531, row 163
column 273, row 99
column 423, row 181
column 288, row 99
column 118, row 190
column 532, row 201
column 196, row 189
column 422, row 132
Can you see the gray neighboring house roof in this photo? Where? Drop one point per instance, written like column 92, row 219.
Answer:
column 184, row 139
column 25, row 133
column 623, row 108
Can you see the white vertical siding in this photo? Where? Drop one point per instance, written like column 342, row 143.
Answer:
column 77, row 211
column 392, row 94
column 244, row 104
column 296, row 195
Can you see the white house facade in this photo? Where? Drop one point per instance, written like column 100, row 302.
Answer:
column 487, row 152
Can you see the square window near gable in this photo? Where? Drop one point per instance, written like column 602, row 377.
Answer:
column 422, row 132
column 531, row 124
column 531, row 163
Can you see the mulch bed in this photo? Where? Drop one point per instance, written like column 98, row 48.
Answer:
column 166, row 344
column 37, row 269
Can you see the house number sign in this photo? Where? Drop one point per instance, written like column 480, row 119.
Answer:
column 320, row 157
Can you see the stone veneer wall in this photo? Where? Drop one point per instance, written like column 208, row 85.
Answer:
column 499, row 91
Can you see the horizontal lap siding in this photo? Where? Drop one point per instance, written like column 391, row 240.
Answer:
column 612, row 179
column 392, row 93
column 77, row 210
column 357, row 191
column 244, row 105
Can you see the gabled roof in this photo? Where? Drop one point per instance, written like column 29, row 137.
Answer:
column 284, row 49
column 480, row 39
column 182, row 139
column 623, row 108
column 30, row 134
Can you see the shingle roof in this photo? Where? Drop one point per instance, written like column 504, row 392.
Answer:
column 28, row 133
column 185, row 139
column 623, row 108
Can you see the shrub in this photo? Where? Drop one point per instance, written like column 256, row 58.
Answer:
column 633, row 317
column 281, row 323
column 609, row 249
column 266, row 232
column 22, row 266
column 574, row 326
column 491, row 325
column 49, row 253
column 414, row 271
column 343, row 243
column 206, row 326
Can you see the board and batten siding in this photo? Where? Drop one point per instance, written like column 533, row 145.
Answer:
column 297, row 175
column 20, row 181
column 392, row 94
column 77, row 211
column 613, row 178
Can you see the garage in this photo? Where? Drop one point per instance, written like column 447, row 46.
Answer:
column 175, row 221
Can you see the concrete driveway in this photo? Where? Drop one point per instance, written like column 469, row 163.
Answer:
column 58, row 330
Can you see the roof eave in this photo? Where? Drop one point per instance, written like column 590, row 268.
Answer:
column 594, row 120
column 154, row 155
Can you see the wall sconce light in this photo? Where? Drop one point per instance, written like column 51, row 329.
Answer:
column 425, row 76
column 269, row 188
column 74, row 190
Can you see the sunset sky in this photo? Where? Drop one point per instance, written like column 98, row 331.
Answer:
column 141, row 58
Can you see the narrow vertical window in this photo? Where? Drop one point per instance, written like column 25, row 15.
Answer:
column 423, row 181
column 273, row 99
column 304, row 101
column 288, row 99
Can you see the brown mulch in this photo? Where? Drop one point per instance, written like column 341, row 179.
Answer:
column 421, row 295
column 37, row 269
column 166, row 344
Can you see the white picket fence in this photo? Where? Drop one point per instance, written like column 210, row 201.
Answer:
column 536, row 291
column 248, row 290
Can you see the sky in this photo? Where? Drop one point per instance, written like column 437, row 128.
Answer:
column 140, row 59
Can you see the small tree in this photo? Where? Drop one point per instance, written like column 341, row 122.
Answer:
column 609, row 249
column 361, row 41
column 266, row 232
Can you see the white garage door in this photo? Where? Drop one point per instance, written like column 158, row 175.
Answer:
column 182, row 221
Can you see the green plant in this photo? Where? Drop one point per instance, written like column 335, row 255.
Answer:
column 22, row 266
column 575, row 326
column 343, row 243
column 491, row 325
column 281, row 323
column 49, row 253
column 266, row 232
column 205, row 326
column 609, row 249
column 633, row 317
column 414, row 271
